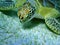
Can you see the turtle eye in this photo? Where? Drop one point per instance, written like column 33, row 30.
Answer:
column 21, row 18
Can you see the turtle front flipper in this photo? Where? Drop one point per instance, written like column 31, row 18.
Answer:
column 6, row 4
column 53, row 24
column 11, row 4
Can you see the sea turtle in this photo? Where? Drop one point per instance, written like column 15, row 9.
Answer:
column 34, row 9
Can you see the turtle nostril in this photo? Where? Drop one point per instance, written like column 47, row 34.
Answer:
column 19, row 16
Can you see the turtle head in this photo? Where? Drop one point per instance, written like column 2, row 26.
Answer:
column 26, row 12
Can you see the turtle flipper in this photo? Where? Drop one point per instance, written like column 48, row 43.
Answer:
column 10, row 4
column 6, row 5
column 53, row 24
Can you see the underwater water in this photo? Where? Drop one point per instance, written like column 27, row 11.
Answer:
column 34, row 32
